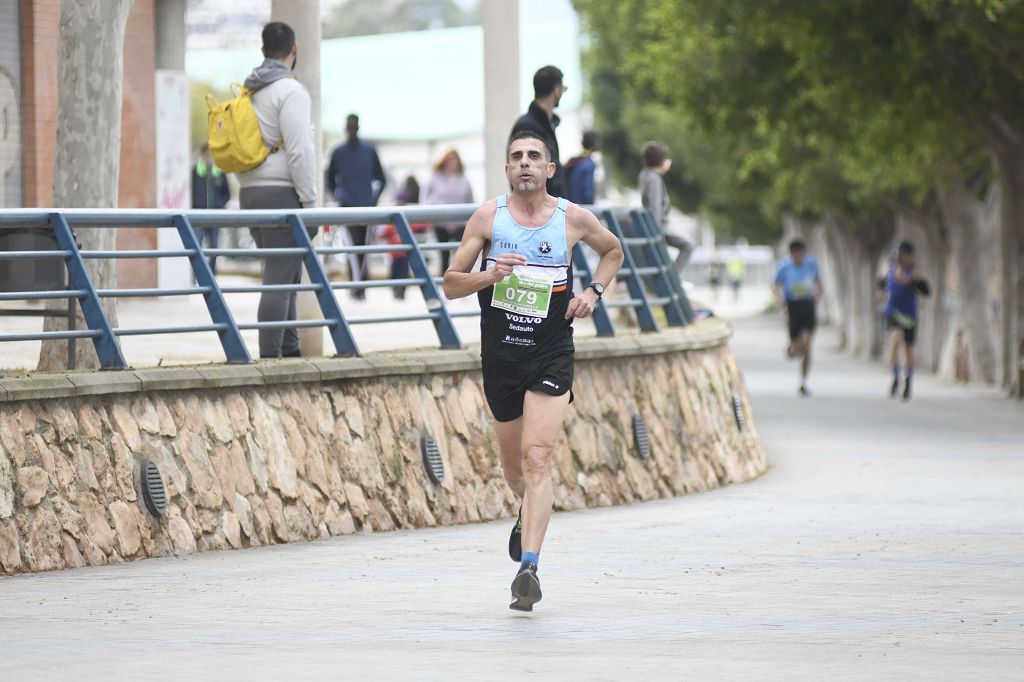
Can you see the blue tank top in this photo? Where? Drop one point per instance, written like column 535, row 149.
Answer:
column 902, row 297
column 509, row 329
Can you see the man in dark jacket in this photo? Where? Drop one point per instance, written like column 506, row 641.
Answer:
column 209, row 190
column 541, row 119
column 355, row 178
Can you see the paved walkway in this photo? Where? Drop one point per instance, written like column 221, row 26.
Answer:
column 885, row 543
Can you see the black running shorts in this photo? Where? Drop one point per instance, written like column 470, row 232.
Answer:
column 909, row 333
column 802, row 317
column 506, row 383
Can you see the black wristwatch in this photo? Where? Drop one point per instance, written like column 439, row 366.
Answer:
column 597, row 287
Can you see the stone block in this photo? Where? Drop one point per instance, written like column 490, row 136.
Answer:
column 332, row 369
column 288, row 371
column 10, row 547
column 105, row 383
column 43, row 545
column 126, row 523
column 230, row 376
column 33, row 483
column 182, row 539
column 36, row 387
column 170, row 378
column 397, row 364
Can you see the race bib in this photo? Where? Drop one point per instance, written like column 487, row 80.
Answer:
column 524, row 294
column 804, row 289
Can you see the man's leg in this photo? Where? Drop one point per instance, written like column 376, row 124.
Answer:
column 510, row 444
column 275, row 305
column 806, row 339
column 213, row 235
column 357, row 262
column 908, row 345
column 895, row 338
column 542, row 424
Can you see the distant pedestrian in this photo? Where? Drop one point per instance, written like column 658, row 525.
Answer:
column 286, row 179
column 209, row 190
column 903, row 282
column 541, row 119
column 356, row 178
column 736, row 269
column 448, row 185
column 580, row 171
column 798, row 283
column 409, row 194
column 654, row 197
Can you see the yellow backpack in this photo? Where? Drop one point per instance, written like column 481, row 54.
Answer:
column 236, row 142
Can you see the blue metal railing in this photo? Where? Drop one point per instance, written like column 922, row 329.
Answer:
column 650, row 276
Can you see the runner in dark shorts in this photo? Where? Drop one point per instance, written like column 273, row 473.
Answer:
column 901, row 287
column 798, row 283
column 527, row 307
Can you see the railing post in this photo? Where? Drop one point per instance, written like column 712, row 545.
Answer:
column 673, row 274
column 662, row 285
column 644, row 314
column 107, row 349
column 230, row 336
column 443, row 324
column 341, row 333
column 602, row 320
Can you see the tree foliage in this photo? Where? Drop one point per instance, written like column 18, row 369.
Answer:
column 805, row 107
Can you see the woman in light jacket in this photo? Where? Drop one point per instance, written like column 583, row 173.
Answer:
column 448, row 185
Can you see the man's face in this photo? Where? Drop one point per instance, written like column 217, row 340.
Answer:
column 352, row 128
column 905, row 260
column 559, row 91
column 798, row 255
column 528, row 167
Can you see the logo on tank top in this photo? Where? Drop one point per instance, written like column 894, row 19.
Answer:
column 545, row 247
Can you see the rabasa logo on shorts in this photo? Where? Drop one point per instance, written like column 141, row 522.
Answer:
column 524, row 320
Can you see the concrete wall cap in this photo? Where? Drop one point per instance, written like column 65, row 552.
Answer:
column 703, row 334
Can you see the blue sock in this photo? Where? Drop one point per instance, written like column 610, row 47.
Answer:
column 529, row 558
column 896, row 372
column 910, row 372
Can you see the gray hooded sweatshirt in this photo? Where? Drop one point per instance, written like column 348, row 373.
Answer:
column 284, row 110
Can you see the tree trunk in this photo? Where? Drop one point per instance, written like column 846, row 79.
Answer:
column 961, row 213
column 839, row 279
column 1011, row 191
column 925, row 230
column 89, row 86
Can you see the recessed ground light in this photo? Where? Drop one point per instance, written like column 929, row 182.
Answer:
column 432, row 461
column 641, row 437
column 737, row 410
column 153, row 492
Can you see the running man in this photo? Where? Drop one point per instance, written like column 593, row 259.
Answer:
column 527, row 309
column 902, row 285
column 798, row 281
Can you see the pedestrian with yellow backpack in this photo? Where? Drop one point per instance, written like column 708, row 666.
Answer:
column 266, row 135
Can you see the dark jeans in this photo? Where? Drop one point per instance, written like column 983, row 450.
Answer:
column 276, row 306
column 448, row 233
column 357, row 235
column 211, row 237
column 399, row 270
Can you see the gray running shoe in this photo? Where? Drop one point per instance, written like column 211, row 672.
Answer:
column 525, row 589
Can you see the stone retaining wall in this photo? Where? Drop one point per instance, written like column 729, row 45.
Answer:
column 295, row 450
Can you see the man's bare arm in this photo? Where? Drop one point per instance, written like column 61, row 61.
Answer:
column 607, row 246
column 459, row 280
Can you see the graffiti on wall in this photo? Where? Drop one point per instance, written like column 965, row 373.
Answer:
column 10, row 141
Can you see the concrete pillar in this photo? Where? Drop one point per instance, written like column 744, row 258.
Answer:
column 170, row 35
column 500, row 20
column 304, row 18
column 173, row 135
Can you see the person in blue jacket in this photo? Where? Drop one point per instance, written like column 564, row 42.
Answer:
column 580, row 170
